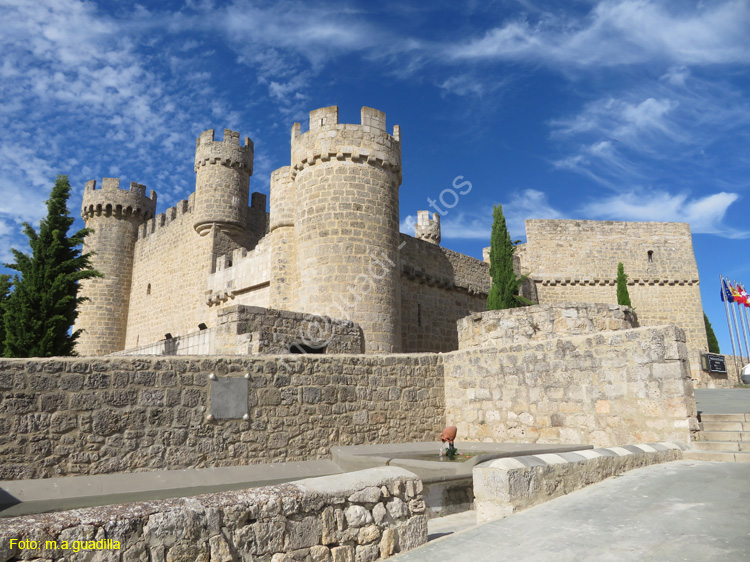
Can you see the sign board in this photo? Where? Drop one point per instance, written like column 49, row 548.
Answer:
column 714, row 363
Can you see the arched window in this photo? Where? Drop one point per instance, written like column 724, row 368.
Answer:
column 650, row 256
column 148, row 289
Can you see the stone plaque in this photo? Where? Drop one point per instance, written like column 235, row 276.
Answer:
column 229, row 398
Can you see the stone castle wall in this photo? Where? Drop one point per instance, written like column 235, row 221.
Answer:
column 576, row 261
column 438, row 287
column 62, row 417
column 170, row 266
column 241, row 278
column 177, row 275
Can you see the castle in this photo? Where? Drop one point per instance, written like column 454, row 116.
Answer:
column 331, row 247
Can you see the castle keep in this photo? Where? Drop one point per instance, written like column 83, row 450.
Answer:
column 330, row 249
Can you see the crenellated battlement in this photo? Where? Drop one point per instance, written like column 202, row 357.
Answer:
column 111, row 201
column 227, row 152
column 328, row 140
column 165, row 219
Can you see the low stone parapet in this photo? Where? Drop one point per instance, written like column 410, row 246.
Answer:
column 505, row 486
column 542, row 322
column 365, row 515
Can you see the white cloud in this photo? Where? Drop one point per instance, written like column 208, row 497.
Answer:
column 617, row 32
column 704, row 214
column 466, row 226
column 528, row 204
column 463, row 85
column 654, row 131
column 408, row 224
column 631, row 122
column 677, row 75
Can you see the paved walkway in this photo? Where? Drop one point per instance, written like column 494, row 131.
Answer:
column 723, row 400
column 684, row 510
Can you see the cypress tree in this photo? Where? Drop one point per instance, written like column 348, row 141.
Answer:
column 5, row 285
column 623, row 297
column 43, row 305
column 506, row 285
column 713, row 342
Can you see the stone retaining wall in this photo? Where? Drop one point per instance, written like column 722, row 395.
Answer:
column 610, row 388
column 363, row 516
column 505, row 486
column 91, row 416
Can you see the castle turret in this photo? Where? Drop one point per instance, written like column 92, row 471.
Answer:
column 427, row 229
column 222, row 182
column 283, row 257
column 114, row 214
column 346, row 180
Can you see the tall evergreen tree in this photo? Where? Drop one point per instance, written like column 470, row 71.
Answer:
column 506, row 285
column 713, row 342
column 43, row 305
column 623, row 297
column 5, row 286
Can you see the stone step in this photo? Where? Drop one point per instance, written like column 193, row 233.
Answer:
column 725, row 417
column 725, row 426
column 721, row 456
column 722, row 446
column 731, row 436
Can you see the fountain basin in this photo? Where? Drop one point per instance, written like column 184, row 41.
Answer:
column 448, row 485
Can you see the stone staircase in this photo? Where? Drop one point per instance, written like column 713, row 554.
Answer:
column 723, row 437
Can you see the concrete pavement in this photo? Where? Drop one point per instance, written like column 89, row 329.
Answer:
column 685, row 510
column 722, row 400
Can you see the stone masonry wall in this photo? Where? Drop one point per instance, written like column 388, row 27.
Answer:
column 542, row 322
column 244, row 330
column 241, row 278
column 611, row 388
column 91, row 416
column 170, row 267
column 363, row 516
column 576, row 261
column 438, row 287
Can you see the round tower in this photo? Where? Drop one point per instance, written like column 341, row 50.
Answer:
column 281, row 231
column 222, row 182
column 346, row 180
column 426, row 228
column 114, row 214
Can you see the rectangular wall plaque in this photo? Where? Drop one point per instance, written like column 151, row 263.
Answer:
column 228, row 398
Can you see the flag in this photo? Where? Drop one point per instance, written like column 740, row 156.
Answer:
column 726, row 294
column 744, row 295
column 735, row 294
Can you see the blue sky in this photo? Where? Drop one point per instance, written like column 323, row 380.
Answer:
column 613, row 109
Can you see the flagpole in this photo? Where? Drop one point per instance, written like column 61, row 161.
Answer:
column 744, row 333
column 729, row 325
